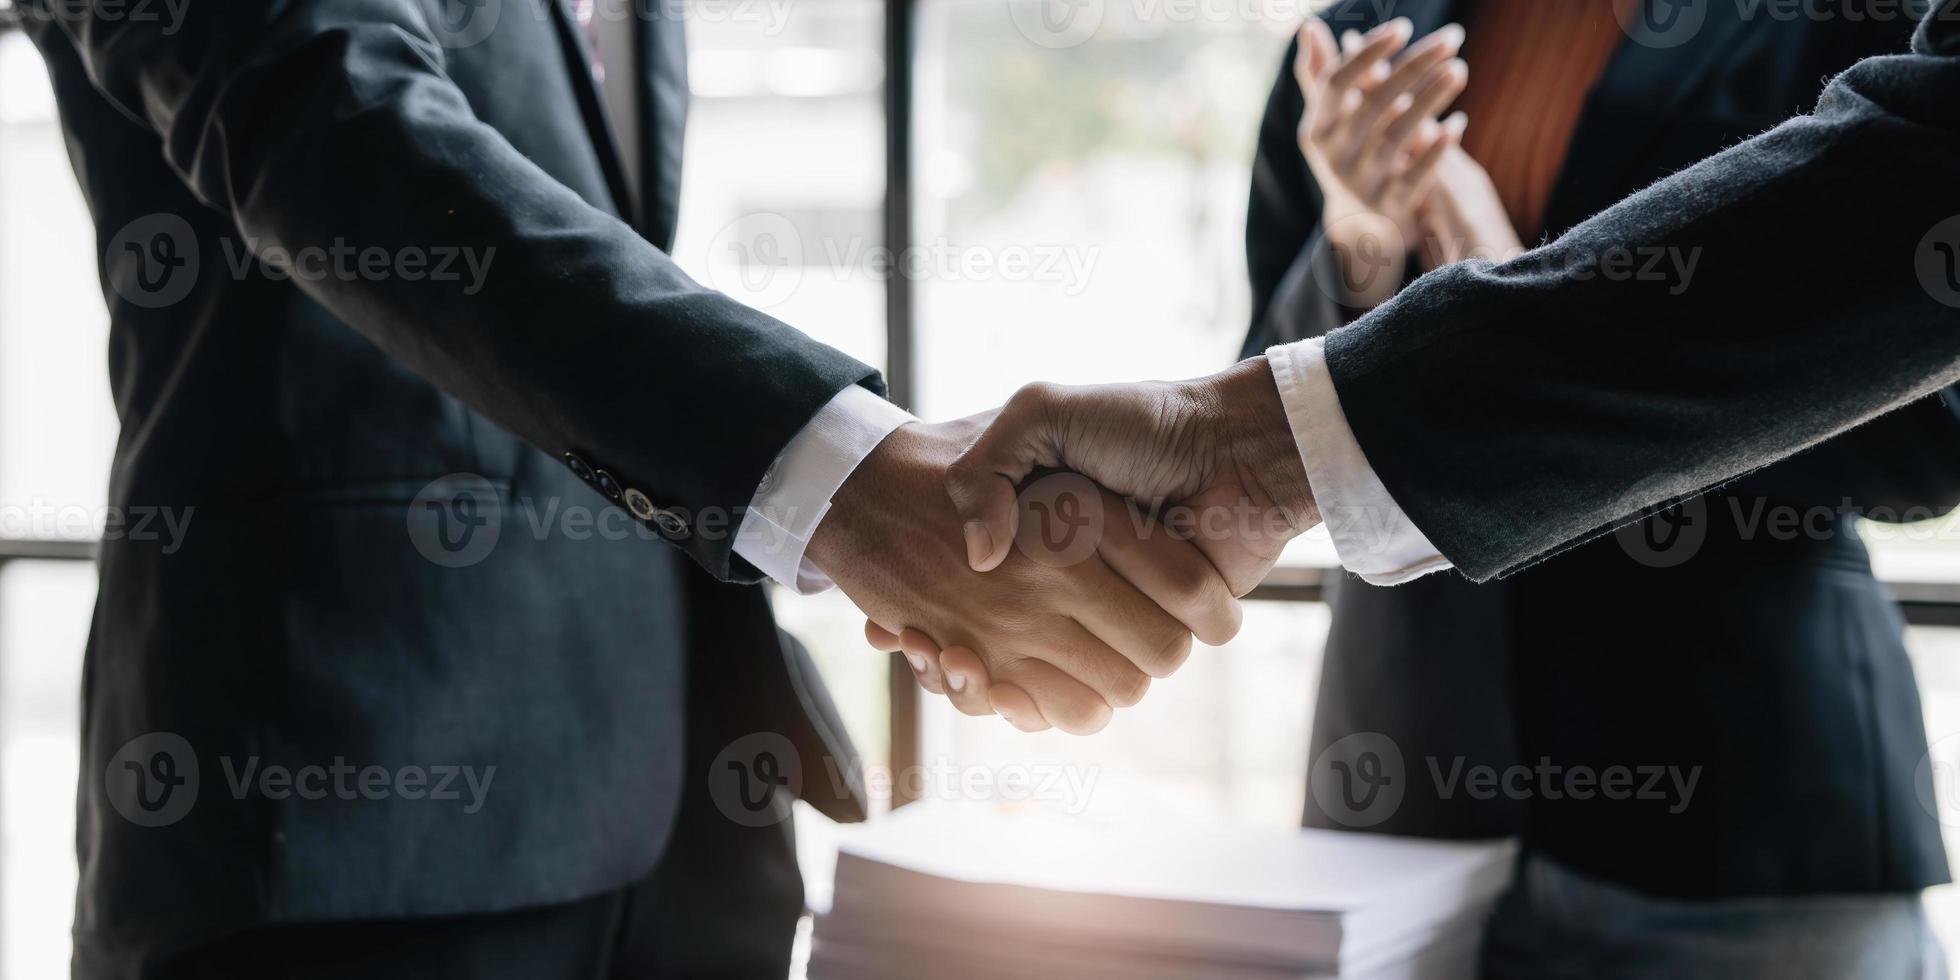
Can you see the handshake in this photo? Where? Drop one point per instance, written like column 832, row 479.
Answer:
column 1045, row 560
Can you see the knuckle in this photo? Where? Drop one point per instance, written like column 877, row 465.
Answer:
column 1172, row 654
column 959, row 476
column 1128, row 690
column 1084, row 719
column 1192, row 584
column 1034, row 394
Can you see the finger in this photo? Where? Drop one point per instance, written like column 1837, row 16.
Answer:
column 1017, row 706
column 922, row 652
column 1126, row 620
column 1420, row 175
column 1055, row 698
column 1068, row 646
column 1177, row 581
column 883, row 639
column 981, row 481
column 1438, row 90
column 967, row 682
column 1375, row 48
column 1397, row 92
column 1316, row 56
column 880, row 638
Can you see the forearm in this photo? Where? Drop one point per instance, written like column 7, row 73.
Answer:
column 1901, row 466
column 334, row 125
column 1518, row 409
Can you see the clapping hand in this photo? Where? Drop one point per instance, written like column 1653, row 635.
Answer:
column 1370, row 137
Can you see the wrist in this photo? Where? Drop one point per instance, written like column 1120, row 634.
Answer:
column 850, row 522
column 1370, row 256
column 1261, row 441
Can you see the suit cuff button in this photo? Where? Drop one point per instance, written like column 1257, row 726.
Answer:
column 671, row 524
column 641, row 507
column 608, row 485
column 579, row 467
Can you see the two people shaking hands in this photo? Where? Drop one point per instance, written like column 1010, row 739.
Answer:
column 1489, row 415
column 1485, row 417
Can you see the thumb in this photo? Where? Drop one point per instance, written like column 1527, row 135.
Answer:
column 1319, row 54
column 981, row 481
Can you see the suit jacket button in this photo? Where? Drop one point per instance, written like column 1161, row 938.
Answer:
column 607, row 485
column 641, row 507
column 580, row 468
column 671, row 524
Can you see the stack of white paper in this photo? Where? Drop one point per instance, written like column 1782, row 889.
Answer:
column 968, row 892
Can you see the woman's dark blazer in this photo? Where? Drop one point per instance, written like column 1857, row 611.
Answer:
column 1769, row 666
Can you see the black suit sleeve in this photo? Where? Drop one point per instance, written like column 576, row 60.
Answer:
column 316, row 123
column 1900, row 467
column 1516, row 410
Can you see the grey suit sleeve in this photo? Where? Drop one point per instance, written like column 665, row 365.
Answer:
column 1516, row 410
column 312, row 124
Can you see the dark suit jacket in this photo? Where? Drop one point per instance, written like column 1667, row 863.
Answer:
column 1806, row 315
column 1771, row 666
column 298, row 624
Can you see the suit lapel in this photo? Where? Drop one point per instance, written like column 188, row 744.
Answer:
column 660, row 44
column 578, row 60
column 1662, row 64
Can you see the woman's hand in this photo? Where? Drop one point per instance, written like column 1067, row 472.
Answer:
column 1463, row 218
column 1369, row 134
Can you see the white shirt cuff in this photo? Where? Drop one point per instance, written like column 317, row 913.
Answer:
column 1372, row 535
column 795, row 492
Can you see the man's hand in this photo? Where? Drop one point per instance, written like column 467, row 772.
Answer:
column 1066, row 634
column 1213, row 459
